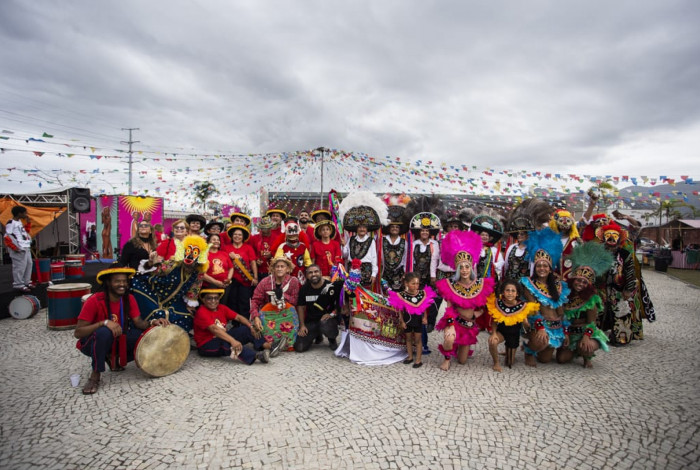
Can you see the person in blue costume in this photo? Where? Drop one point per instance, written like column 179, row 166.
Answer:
column 169, row 289
column 547, row 331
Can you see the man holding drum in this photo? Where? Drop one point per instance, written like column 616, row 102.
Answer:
column 103, row 327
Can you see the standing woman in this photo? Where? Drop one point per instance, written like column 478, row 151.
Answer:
column 140, row 247
column 245, row 271
column 220, row 270
column 167, row 248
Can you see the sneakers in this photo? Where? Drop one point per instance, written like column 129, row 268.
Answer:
column 277, row 346
column 263, row 356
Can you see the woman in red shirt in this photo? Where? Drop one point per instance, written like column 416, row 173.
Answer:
column 245, row 271
column 166, row 249
column 220, row 270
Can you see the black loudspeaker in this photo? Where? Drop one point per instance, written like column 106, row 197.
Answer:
column 79, row 200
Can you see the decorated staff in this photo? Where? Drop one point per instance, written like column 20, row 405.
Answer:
column 109, row 325
column 588, row 262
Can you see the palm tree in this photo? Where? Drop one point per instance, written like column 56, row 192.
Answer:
column 203, row 191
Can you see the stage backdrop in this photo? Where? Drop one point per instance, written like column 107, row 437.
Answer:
column 135, row 209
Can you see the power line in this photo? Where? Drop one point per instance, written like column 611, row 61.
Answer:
column 130, row 142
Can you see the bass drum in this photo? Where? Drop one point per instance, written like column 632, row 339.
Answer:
column 162, row 350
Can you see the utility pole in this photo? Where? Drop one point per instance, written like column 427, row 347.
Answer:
column 322, row 150
column 130, row 129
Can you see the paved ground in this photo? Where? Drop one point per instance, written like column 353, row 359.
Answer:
column 638, row 408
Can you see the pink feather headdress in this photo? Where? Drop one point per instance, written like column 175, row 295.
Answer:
column 459, row 246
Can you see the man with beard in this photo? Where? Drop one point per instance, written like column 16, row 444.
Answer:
column 109, row 324
column 318, row 301
column 306, row 227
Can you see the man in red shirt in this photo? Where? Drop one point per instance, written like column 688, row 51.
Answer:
column 277, row 216
column 213, row 339
column 110, row 324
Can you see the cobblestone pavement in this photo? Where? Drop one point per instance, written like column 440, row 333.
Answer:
column 638, row 408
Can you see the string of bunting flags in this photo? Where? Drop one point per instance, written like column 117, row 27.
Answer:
column 172, row 175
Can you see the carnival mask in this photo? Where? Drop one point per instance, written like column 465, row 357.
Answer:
column 611, row 237
column 191, row 255
column 564, row 223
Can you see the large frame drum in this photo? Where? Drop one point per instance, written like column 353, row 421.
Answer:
column 162, row 350
column 65, row 303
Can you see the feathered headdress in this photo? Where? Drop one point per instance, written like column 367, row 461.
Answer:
column 531, row 214
column 432, row 204
column 363, row 208
column 544, row 245
column 459, row 246
column 193, row 250
column 589, row 261
column 396, row 217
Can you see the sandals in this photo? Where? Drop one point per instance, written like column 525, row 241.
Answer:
column 91, row 386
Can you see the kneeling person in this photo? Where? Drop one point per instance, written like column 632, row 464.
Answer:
column 104, row 331
column 316, row 308
column 213, row 339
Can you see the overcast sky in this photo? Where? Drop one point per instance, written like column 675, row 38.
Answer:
column 589, row 87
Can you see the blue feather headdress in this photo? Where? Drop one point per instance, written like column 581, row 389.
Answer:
column 544, row 245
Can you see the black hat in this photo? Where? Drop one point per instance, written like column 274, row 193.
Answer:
column 196, row 218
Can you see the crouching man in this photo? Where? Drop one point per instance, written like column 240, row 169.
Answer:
column 213, row 339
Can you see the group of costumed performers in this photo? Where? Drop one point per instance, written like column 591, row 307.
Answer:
column 465, row 295
column 546, row 331
column 640, row 305
column 588, row 262
column 169, row 289
column 109, row 324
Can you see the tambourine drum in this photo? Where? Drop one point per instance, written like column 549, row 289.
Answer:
column 162, row 350
column 24, row 306
column 74, row 270
column 65, row 302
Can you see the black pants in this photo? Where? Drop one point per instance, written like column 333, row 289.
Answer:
column 239, row 298
column 328, row 328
